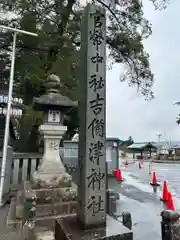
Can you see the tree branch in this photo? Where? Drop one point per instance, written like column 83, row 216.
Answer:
column 53, row 51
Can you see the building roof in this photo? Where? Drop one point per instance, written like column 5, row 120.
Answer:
column 113, row 139
column 161, row 145
column 142, row 145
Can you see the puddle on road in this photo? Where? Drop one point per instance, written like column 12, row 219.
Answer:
column 140, row 179
column 145, row 187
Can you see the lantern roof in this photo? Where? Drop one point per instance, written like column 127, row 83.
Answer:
column 53, row 99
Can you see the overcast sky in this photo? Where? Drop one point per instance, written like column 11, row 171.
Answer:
column 129, row 114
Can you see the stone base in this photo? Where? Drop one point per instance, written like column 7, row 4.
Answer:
column 52, row 195
column 68, row 228
column 53, row 179
column 43, row 210
column 49, row 201
column 47, row 235
column 45, row 214
column 56, row 201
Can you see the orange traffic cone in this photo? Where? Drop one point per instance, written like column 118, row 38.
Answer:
column 140, row 166
column 115, row 172
column 154, row 180
column 165, row 192
column 119, row 177
column 170, row 204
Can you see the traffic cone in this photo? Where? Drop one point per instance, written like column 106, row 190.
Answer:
column 170, row 204
column 119, row 177
column 140, row 166
column 115, row 172
column 165, row 192
column 154, row 180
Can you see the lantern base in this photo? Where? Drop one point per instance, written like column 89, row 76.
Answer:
column 51, row 179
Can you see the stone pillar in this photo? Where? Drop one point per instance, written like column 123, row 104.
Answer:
column 176, row 230
column 92, row 131
column 91, row 221
column 169, row 225
column 111, row 202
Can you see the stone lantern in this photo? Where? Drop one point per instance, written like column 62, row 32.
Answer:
column 51, row 172
column 51, row 191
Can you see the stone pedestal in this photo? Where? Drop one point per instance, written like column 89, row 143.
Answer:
column 55, row 192
column 51, row 172
column 68, row 228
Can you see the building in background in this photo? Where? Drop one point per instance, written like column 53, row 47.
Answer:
column 16, row 114
column 142, row 150
column 70, row 152
column 154, row 150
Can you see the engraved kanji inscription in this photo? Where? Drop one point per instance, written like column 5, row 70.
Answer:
column 53, row 145
column 96, row 60
column 97, row 127
column 97, row 104
column 95, row 178
column 95, row 205
column 98, row 19
column 96, row 82
column 96, row 152
column 96, row 35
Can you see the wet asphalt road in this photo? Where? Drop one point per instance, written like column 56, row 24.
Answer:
column 138, row 197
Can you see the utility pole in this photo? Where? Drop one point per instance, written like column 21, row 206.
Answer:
column 159, row 135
